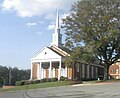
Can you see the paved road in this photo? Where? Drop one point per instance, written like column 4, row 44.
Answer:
column 110, row 90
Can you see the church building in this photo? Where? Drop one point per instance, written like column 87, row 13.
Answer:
column 49, row 62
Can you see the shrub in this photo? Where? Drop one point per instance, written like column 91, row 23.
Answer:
column 54, row 79
column 20, row 83
column 63, row 78
column 48, row 80
column 43, row 80
column 27, row 82
column 35, row 81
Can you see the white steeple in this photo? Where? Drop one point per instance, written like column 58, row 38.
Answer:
column 57, row 37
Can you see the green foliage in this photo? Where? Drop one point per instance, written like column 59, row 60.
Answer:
column 93, row 32
column 4, row 73
column 63, row 78
column 20, row 83
column 34, row 81
column 54, row 79
column 43, row 80
column 40, row 85
column 28, row 82
column 14, row 73
column 48, row 80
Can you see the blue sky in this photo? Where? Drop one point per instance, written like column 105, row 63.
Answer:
column 25, row 27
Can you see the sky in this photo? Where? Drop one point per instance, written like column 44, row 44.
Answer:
column 26, row 26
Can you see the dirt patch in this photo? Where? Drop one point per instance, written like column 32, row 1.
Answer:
column 8, row 87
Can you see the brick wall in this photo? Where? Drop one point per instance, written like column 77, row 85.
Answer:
column 114, row 71
column 34, row 69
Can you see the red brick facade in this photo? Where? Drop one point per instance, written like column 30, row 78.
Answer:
column 114, row 70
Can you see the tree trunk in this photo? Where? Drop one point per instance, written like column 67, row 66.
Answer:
column 106, row 73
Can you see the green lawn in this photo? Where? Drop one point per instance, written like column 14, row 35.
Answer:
column 40, row 85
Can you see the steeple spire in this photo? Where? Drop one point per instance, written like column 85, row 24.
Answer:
column 57, row 37
column 57, row 28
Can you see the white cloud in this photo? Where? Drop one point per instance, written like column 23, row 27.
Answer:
column 29, row 8
column 31, row 24
column 51, row 27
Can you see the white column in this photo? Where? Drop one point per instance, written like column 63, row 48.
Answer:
column 42, row 72
column 38, row 71
column 59, row 74
column 50, row 69
column 66, row 71
column 31, row 71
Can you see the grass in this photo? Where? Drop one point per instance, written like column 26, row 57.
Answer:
column 40, row 85
column 53, row 84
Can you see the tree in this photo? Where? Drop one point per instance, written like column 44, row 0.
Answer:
column 8, row 76
column 93, row 28
column 4, row 74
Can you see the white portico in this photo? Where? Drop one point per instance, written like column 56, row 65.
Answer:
column 48, row 63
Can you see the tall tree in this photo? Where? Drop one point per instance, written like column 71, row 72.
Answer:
column 8, row 76
column 93, row 27
column 4, row 75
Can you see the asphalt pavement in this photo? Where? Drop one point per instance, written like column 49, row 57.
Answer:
column 99, row 90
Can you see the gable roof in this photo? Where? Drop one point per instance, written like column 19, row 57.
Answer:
column 45, row 54
column 50, row 53
column 59, row 51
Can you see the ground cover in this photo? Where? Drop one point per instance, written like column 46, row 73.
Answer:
column 41, row 85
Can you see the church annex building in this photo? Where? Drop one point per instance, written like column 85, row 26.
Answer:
column 49, row 62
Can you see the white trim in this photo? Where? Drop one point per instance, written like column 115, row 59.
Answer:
column 46, row 60
column 38, row 71
column 31, row 77
column 66, row 71
column 43, row 73
column 53, row 72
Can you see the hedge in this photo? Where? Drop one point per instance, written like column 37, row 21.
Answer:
column 27, row 82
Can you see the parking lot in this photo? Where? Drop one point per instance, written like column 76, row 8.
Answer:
column 100, row 90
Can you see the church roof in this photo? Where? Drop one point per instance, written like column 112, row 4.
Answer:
column 59, row 51
column 50, row 52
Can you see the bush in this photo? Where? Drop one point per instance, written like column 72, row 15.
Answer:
column 35, row 81
column 48, row 80
column 63, row 78
column 20, row 83
column 27, row 82
column 54, row 79
column 43, row 80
